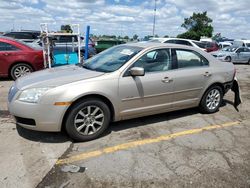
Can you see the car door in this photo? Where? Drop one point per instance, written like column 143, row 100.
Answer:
column 151, row 93
column 190, row 77
column 245, row 55
column 7, row 54
column 237, row 56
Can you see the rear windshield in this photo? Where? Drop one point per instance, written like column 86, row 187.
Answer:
column 200, row 44
column 32, row 45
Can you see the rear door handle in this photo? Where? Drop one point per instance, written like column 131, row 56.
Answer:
column 166, row 80
column 6, row 54
column 207, row 74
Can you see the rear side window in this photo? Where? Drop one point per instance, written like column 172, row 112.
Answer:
column 7, row 47
column 183, row 42
column 170, row 41
column 189, row 58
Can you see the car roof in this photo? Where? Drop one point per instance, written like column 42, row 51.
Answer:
column 165, row 39
column 156, row 44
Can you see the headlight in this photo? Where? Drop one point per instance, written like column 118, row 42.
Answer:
column 32, row 95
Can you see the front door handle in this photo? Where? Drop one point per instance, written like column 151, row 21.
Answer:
column 166, row 80
column 207, row 74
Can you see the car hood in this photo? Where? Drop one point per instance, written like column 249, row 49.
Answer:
column 55, row 77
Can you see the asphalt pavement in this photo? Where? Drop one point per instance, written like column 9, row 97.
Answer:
column 176, row 149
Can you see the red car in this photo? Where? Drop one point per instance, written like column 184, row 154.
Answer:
column 18, row 58
column 211, row 46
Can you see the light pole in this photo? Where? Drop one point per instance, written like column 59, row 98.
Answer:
column 154, row 20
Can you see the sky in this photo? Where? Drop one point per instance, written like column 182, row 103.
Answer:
column 231, row 18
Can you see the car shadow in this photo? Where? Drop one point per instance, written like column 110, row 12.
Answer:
column 44, row 137
column 142, row 121
column 5, row 79
column 4, row 114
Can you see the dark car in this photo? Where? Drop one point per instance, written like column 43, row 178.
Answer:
column 25, row 36
column 18, row 58
column 104, row 44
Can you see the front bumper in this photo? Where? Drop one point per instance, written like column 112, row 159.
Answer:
column 39, row 117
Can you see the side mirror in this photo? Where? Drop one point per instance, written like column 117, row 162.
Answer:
column 137, row 71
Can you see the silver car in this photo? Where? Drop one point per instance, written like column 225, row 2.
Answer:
column 123, row 82
column 233, row 54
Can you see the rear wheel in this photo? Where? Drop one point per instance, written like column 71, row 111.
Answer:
column 249, row 62
column 87, row 120
column 211, row 100
column 20, row 70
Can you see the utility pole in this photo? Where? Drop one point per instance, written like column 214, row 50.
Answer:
column 154, row 20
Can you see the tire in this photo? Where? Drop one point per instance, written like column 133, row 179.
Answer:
column 20, row 70
column 228, row 59
column 84, row 115
column 215, row 95
column 248, row 62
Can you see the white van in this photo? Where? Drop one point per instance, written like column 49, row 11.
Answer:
column 240, row 43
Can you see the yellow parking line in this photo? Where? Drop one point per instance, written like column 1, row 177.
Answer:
column 82, row 156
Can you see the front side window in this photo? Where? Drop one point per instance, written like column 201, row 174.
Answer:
column 155, row 61
column 7, row 47
column 189, row 58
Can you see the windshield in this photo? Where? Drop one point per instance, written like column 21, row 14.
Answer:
column 248, row 45
column 112, row 59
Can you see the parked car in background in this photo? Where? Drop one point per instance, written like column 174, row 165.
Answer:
column 18, row 58
column 69, row 43
column 233, row 54
column 122, row 82
column 25, row 36
column 211, row 46
column 225, row 44
column 241, row 43
column 186, row 42
column 104, row 44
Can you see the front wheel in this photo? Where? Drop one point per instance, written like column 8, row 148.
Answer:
column 211, row 100
column 228, row 59
column 87, row 120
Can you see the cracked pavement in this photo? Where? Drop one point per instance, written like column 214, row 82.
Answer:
column 217, row 158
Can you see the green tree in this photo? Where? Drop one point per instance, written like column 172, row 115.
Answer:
column 166, row 36
column 197, row 25
column 126, row 37
column 135, row 37
column 66, row 29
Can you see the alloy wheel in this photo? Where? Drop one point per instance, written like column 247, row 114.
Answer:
column 213, row 99
column 89, row 120
column 21, row 71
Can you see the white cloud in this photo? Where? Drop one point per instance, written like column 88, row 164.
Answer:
column 126, row 17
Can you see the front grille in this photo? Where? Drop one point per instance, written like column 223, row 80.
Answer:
column 12, row 92
column 25, row 121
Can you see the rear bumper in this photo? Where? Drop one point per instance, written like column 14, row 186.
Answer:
column 227, row 86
